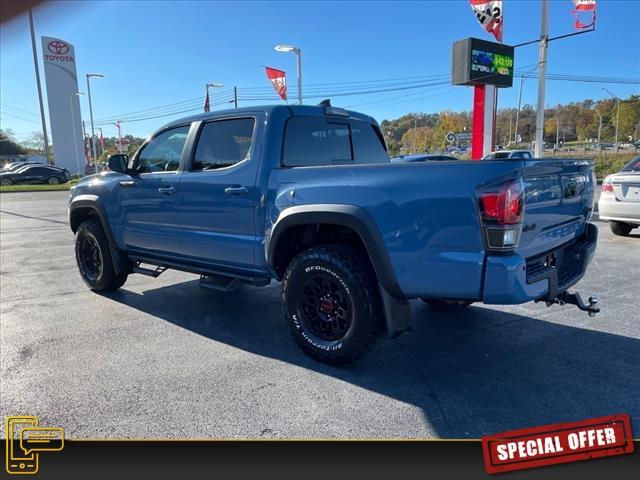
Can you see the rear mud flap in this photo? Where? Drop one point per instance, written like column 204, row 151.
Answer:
column 397, row 314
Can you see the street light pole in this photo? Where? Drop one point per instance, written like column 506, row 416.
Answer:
column 73, row 126
column 557, row 131
column 298, row 52
column 215, row 85
column 599, row 124
column 299, row 58
column 617, row 115
column 35, row 64
column 93, row 134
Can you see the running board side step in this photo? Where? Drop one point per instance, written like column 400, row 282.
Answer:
column 218, row 282
column 148, row 271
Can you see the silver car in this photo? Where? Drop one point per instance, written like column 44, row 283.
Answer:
column 620, row 199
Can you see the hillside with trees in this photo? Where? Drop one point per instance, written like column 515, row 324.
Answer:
column 574, row 122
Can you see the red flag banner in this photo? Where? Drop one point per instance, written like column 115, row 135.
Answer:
column 489, row 14
column 279, row 81
column 584, row 6
column 206, row 102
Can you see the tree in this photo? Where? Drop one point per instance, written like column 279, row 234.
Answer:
column 8, row 145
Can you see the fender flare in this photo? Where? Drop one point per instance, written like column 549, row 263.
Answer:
column 350, row 216
column 94, row 203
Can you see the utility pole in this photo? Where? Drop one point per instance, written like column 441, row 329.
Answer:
column 557, row 132
column 101, row 136
column 515, row 138
column 509, row 137
column 93, row 133
column 119, row 149
column 235, row 96
column 415, row 127
column 35, row 65
column 617, row 115
column 544, row 38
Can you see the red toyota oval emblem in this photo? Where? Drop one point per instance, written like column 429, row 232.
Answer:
column 58, row 47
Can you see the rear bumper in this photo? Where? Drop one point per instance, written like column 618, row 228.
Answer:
column 514, row 279
column 609, row 208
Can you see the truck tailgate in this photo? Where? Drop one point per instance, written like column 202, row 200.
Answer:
column 559, row 196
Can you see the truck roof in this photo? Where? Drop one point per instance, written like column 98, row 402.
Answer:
column 306, row 110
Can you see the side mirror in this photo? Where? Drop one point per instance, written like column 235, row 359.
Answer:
column 118, row 163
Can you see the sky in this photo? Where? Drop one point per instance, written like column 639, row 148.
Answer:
column 157, row 53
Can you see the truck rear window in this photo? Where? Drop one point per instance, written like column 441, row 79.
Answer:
column 313, row 141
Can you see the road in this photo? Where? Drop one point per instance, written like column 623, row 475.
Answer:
column 164, row 358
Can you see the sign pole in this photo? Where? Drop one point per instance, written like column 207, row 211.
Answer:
column 35, row 65
column 477, row 134
column 544, row 39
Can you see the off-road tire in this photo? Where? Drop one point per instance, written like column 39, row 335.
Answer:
column 356, row 295
column 620, row 228
column 90, row 236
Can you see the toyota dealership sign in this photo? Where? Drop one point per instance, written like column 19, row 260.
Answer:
column 64, row 105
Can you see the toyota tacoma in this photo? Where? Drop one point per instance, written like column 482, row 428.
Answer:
column 306, row 195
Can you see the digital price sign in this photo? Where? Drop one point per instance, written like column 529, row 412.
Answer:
column 478, row 62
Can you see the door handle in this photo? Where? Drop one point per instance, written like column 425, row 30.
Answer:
column 236, row 191
column 167, row 190
column 127, row 183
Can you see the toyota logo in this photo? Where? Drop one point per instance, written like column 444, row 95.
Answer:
column 58, row 47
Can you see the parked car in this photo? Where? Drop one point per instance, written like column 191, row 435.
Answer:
column 32, row 174
column 422, row 158
column 508, row 154
column 310, row 198
column 12, row 167
column 620, row 199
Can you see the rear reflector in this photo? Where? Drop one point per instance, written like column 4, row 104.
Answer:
column 501, row 238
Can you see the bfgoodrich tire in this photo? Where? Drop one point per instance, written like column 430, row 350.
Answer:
column 93, row 257
column 620, row 228
column 332, row 303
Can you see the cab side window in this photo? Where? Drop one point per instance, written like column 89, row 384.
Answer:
column 223, row 143
column 162, row 153
column 313, row 141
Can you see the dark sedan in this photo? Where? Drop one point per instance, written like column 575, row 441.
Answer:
column 423, row 158
column 12, row 167
column 32, row 174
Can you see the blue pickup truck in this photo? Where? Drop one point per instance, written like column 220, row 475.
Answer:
column 306, row 195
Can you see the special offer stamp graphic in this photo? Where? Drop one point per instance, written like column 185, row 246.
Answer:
column 558, row 443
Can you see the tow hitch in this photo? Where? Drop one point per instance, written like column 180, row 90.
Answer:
column 576, row 299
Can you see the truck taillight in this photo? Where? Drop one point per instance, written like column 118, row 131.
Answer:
column 501, row 209
column 607, row 186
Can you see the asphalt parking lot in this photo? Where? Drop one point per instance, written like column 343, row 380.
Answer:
column 164, row 358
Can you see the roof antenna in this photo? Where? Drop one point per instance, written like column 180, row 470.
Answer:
column 325, row 103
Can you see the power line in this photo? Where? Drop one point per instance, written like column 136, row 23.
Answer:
column 339, row 89
column 20, row 110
